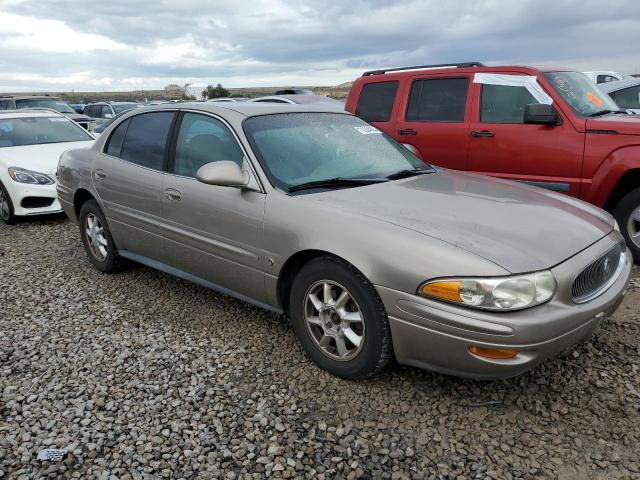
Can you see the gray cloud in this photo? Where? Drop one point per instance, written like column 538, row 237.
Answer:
column 128, row 44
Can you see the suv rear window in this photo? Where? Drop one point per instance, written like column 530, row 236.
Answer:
column 437, row 100
column 376, row 101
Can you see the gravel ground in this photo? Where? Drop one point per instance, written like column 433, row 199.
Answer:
column 141, row 376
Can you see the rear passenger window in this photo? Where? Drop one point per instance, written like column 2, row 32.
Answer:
column 145, row 142
column 437, row 100
column 376, row 101
column 504, row 104
column 114, row 144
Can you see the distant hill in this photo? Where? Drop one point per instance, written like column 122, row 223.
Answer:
column 338, row 91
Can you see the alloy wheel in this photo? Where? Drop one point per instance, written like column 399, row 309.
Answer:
column 334, row 320
column 96, row 239
column 633, row 226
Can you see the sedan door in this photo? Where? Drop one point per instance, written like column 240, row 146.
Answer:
column 212, row 232
column 128, row 178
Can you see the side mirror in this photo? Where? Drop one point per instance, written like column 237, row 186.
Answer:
column 540, row 114
column 224, row 174
column 108, row 115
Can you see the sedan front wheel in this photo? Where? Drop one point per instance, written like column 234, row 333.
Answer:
column 339, row 319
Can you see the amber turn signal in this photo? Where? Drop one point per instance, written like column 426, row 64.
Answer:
column 493, row 353
column 445, row 290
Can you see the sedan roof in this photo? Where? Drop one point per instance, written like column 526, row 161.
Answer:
column 251, row 109
column 609, row 87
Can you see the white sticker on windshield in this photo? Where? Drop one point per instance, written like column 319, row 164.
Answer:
column 367, row 130
column 57, row 119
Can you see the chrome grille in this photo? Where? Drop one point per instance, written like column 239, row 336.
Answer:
column 594, row 279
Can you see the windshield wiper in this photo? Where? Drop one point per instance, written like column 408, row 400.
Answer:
column 336, row 183
column 605, row 112
column 409, row 173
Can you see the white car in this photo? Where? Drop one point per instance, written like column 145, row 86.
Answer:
column 31, row 142
column 605, row 76
column 626, row 94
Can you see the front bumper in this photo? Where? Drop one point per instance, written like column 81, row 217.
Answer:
column 26, row 198
column 437, row 336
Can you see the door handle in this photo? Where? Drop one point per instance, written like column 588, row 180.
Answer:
column 172, row 195
column 482, row 133
column 407, row 131
column 100, row 174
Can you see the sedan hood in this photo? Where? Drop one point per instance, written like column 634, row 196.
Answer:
column 39, row 158
column 517, row 227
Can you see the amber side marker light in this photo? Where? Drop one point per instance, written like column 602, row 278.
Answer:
column 493, row 353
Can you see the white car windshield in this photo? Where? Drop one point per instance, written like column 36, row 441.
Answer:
column 15, row 132
column 297, row 148
column 54, row 104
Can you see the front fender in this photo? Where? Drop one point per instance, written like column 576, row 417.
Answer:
column 609, row 172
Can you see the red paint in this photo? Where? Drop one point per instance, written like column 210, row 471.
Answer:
column 590, row 155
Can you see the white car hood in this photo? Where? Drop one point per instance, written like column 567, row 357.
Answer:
column 39, row 158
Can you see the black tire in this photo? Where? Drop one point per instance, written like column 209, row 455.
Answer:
column 623, row 211
column 7, row 215
column 111, row 262
column 376, row 351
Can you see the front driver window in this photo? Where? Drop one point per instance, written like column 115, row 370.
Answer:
column 201, row 140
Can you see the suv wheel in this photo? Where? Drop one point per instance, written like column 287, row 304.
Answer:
column 6, row 207
column 96, row 238
column 339, row 319
column 627, row 214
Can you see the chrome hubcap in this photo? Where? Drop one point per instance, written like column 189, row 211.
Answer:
column 95, row 237
column 633, row 226
column 334, row 320
column 4, row 205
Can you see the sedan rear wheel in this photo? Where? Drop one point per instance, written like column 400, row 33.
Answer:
column 340, row 319
column 96, row 238
column 6, row 207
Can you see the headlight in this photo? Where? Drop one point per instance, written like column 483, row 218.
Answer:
column 616, row 227
column 22, row 175
column 499, row 294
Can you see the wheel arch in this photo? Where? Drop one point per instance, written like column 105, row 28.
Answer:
column 290, row 269
column 80, row 197
column 627, row 182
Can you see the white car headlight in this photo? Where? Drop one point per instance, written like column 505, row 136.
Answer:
column 616, row 227
column 499, row 294
column 22, row 175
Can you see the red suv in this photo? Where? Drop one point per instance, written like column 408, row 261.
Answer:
column 549, row 127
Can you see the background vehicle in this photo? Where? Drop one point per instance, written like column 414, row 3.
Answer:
column 31, row 142
column 18, row 102
column 228, row 99
column 293, row 91
column 300, row 100
column 604, row 76
column 78, row 107
column 103, row 111
column 546, row 127
column 626, row 93
column 315, row 213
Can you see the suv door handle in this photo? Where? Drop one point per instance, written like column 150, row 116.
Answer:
column 100, row 174
column 407, row 131
column 482, row 133
column 172, row 195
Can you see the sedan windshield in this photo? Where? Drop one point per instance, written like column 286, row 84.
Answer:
column 298, row 148
column 582, row 95
column 55, row 104
column 15, row 132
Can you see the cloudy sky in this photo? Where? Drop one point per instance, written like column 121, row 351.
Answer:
column 128, row 44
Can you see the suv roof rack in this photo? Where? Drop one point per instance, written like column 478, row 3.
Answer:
column 418, row 67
